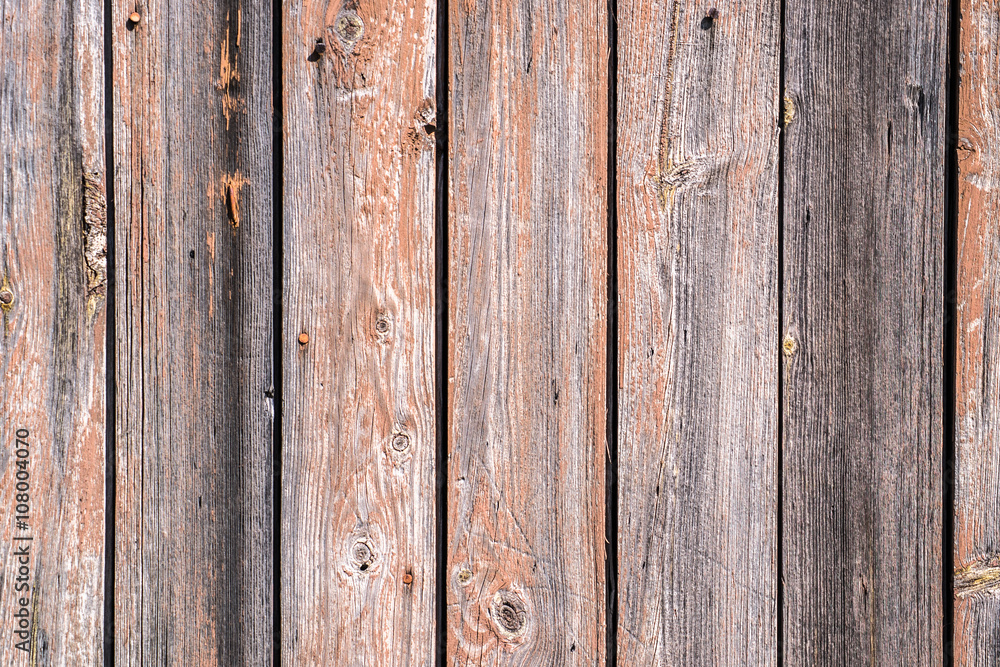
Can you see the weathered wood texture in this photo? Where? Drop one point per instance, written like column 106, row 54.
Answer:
column 192, row 133
column 527, row 336
column 698, row 318
column 52, row 295
column 863, row 272
column 358, row 515
column 977, row 423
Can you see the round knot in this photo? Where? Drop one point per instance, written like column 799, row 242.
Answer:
column 509, row 614
column 349, row 27
column 362, row 555
column 789, row 346
column 400, row 442
column 6, row 297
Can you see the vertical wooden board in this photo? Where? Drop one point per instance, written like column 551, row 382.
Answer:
column 358, row 515
column 977, row 489
column 53, row 277
column 863, row 273
column 527, row 333
column 192, row 133
column 698, row 332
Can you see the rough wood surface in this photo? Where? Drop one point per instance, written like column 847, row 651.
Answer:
column 863, row 272
column 52, row 295
column 192, row 131
column 527, row 336
column 698, row 258
column 358, row 516
column 977, row 423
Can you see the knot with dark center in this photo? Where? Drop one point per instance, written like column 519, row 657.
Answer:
column 362, row 555
column 509, row 613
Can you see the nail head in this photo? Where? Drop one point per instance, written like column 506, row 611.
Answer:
column 303, row 338
column 134, row 17
column 407, row 578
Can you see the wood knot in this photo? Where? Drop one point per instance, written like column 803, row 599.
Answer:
column 788, row 111
column 382, row 324
column 400, row 442
column 509, row 613
column 349, row 29
column 789, row 345
column 362, row 556
column 6, row 297
column 464, row 576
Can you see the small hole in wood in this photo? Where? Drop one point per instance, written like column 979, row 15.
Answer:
column 709, row 20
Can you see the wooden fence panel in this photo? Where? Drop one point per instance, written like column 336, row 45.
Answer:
column 192, row 133
column 527, row 337
column 358, row 492
column 53, row 278
column 698, row 317
column 863, row 272
column 977, row 424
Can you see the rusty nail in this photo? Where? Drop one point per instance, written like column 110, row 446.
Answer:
column 407, row 578
column 134, row 17
column 303, row 338
column 6, row 297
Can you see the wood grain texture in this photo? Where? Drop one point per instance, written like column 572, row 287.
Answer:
column 358, row 514
column 192, row 132
column 698, row 332
column 977, row 482
column 52, row 344
column 863, row 273
column 527, row 333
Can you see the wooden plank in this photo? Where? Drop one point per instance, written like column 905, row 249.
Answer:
column 358, row 514
column 192, row 132
column 527, row 336
column 863, row 273
column 697, row 270
column 977, row 490
column 53, row 277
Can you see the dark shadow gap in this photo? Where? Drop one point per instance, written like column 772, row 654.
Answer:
column 441, row 335
column 779, row 527
column 110, row 356
column 948, row 335
column 277, row 281
column 611, row 467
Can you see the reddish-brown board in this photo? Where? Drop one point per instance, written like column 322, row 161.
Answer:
column 52, row 303
column 977, row 326
column 193, row 209
column 357, row 511
column 527, row 332
column 698, row 332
